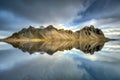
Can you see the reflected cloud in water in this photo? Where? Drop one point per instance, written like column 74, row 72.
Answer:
column 60, row 61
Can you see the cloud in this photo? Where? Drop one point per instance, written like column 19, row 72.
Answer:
column 100, row 9
column 103, row 23
column 45, row 11
column 9, row 21
column 99, row 22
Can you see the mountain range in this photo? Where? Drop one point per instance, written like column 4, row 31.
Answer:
column 50, row 39
column 51, row 33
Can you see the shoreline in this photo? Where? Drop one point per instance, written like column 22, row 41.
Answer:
column 52, row 40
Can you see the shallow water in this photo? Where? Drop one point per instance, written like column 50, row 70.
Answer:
column 71, row 64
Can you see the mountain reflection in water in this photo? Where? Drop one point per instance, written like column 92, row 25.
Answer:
column 51, row 47
column 65, row 64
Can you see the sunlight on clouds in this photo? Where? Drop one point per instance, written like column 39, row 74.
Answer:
column 112, row 33
column 62, row 26
column 112, row 25
column 90, row 22
column 98, row 22
column 111, row 29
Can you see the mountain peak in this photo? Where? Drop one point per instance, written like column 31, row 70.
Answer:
column 50, row 27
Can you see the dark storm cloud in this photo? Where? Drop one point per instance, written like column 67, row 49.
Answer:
column 27, row 12
column 45, row 11
column 9, row 21
column 17, row 14
column 100, row 9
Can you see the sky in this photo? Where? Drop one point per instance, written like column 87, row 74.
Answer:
column 70, row 14
column 67, row 14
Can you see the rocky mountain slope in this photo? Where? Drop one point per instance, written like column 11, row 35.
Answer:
column 51, row 33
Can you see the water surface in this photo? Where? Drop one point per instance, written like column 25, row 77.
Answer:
column 64, row 64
